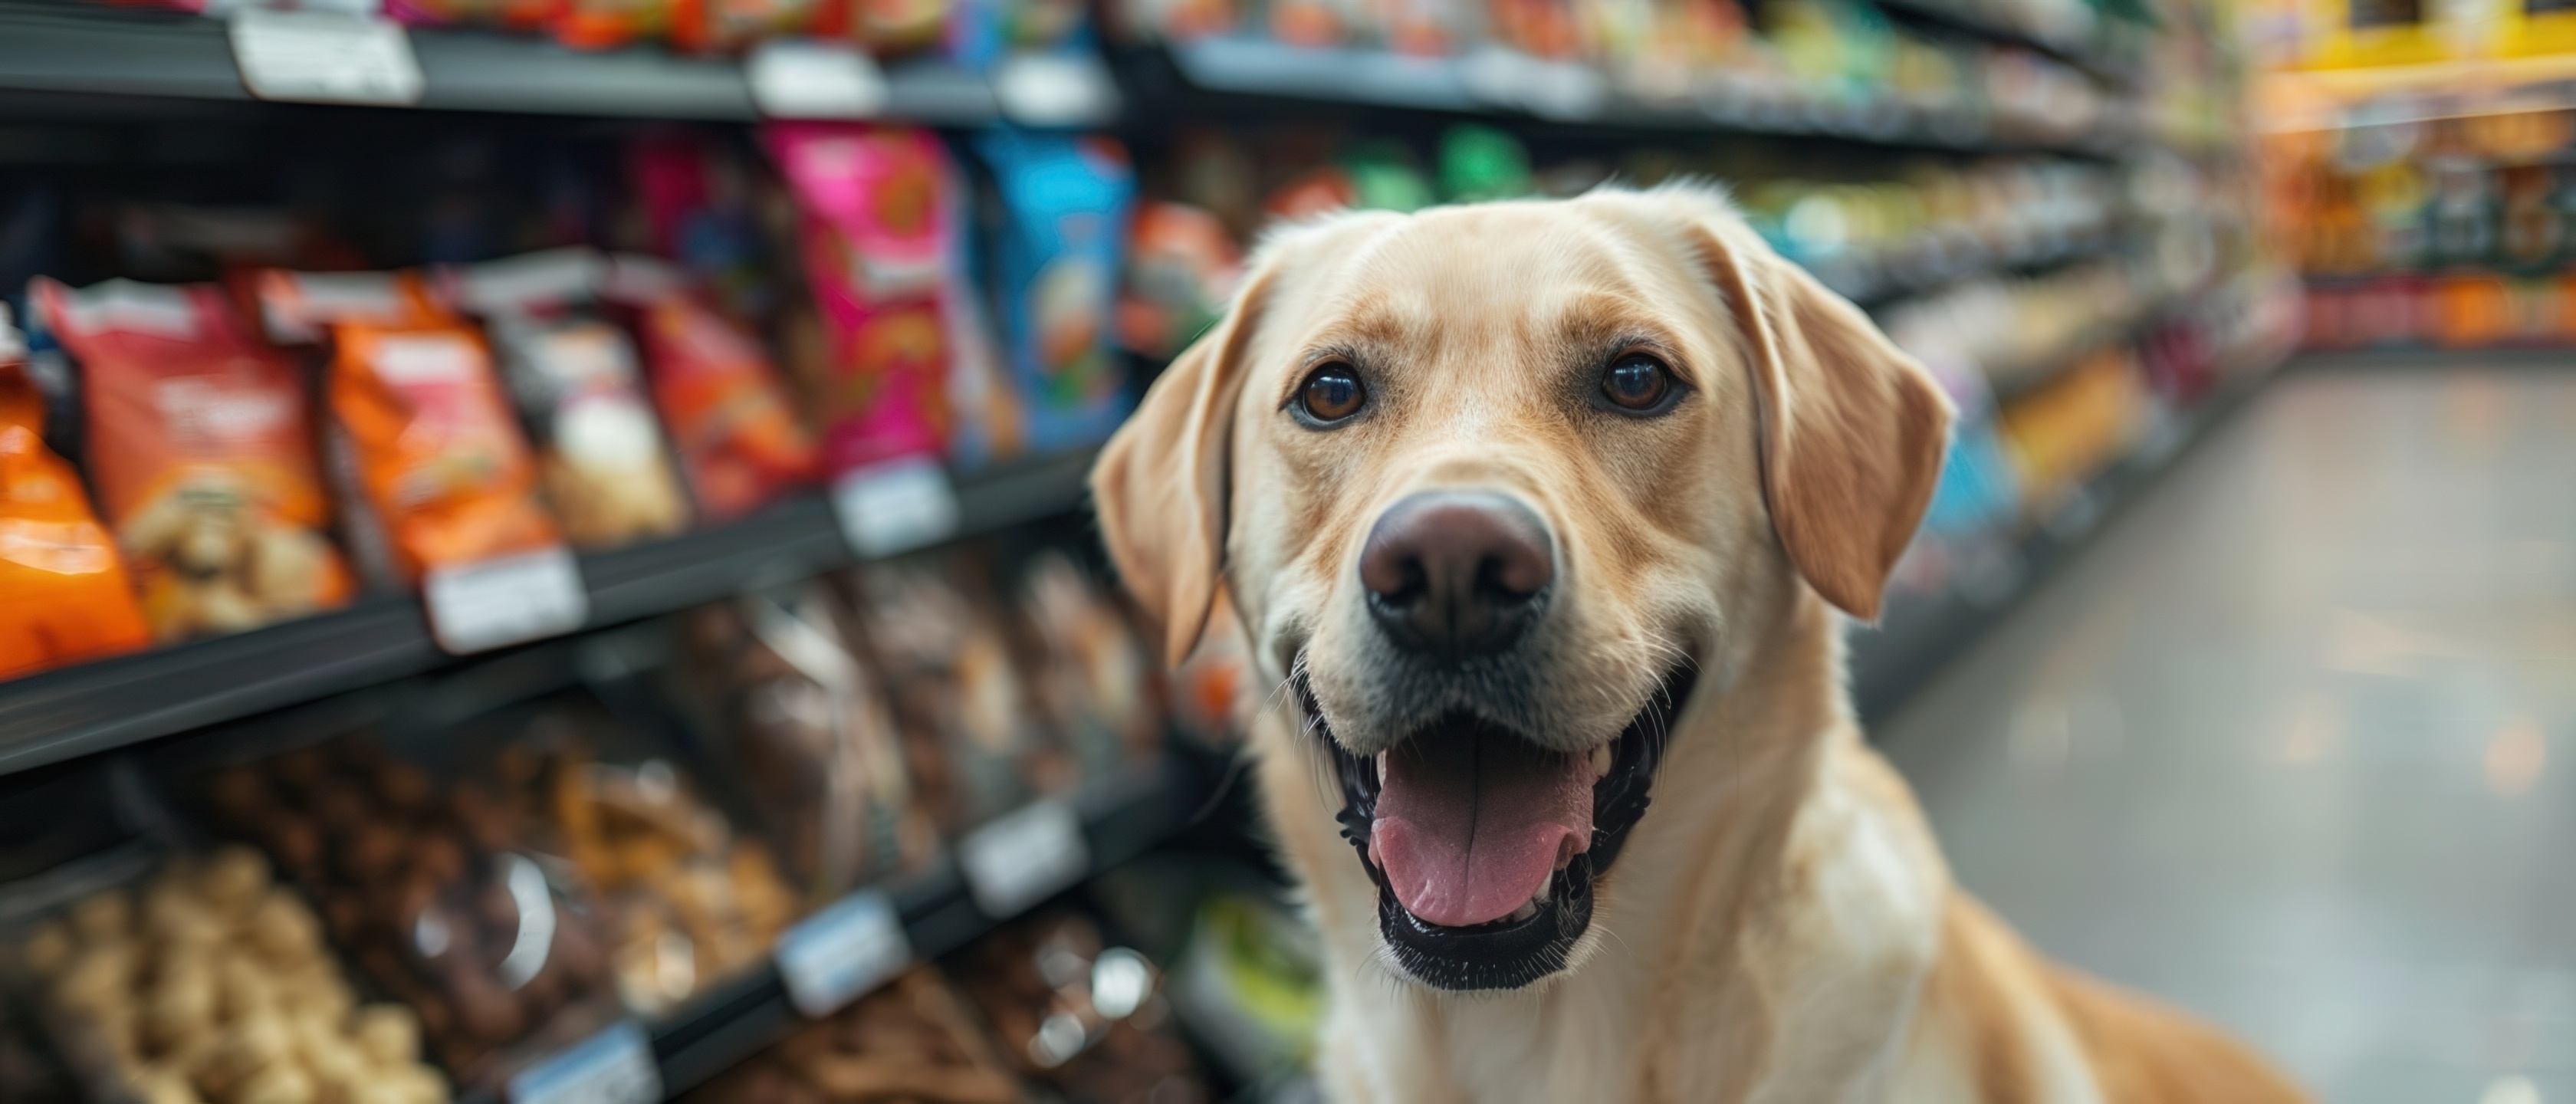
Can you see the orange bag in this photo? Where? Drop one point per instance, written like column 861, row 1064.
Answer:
column 64, row 596
column 438, row 452
column 203, row 457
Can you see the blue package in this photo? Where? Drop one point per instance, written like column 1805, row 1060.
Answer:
column 1055, row 255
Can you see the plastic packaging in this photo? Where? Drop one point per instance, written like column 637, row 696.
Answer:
column 1181, row 270
column 958, row 694
column 1054, row 272
column 600, row 453
column 875, row 234
column 437, row 455
column 727, row 410
column 208, row 982
column 912, row 1040
column 1094, row 678
column 1086, row 1019
column 779, row 681
column 69, row 596
column 203, row 456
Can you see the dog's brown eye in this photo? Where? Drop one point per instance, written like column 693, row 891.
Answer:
column 1636, row 382
column 1332, row 392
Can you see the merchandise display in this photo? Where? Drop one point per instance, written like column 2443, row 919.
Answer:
column 211, row 983
column 816, row 755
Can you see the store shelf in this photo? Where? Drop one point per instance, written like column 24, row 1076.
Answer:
column 1122, row 816
column 65, row 47
column 1504, row 84
column 1918, row 632
column 75, row 711
column 1917, row 268
column 1963, row 15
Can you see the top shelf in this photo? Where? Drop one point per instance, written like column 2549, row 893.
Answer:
column 58, row 47
column 1504, row 84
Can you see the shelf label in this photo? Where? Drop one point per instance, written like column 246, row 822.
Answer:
column 895, row 506
column 804, row 78
column 835, row 956
column 1024, row 857
column 325, row 57
column 612, row 1067
column 481, row 606
column 1054, row 90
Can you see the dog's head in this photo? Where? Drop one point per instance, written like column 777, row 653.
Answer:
column 1491, row 488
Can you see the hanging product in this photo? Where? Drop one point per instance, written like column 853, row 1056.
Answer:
column 199, row 444
column 69, row 599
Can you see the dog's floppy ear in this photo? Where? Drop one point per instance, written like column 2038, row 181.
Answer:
column 1852, row 429
column 1160, row 485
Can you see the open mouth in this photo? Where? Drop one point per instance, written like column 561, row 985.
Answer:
column 1484, row 846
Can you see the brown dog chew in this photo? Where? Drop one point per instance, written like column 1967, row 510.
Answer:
column 1536, row 518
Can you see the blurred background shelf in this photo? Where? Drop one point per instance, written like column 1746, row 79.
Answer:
column 1502, row 84
column 93, row 707
column 89, row 49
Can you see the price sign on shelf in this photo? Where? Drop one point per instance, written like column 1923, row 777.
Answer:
column 511, row 600
column 895, row 506
column 325, row 57
column 1071, row 88
column 613, row 1067
column 834, row 956
column 804, row 78
column 1023, row 858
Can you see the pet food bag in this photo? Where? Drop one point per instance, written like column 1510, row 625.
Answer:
column 600, row 454
column 727, row 409
column 68, row 596
column 959, row 696
column 203, row 456
column 1093, row 675
column 438, row 456
column 873, row 204
column 1054, row 269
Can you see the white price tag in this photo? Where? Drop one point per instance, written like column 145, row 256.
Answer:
column 325, row 57
column 834, row 956
column 804, row 78
column 481, row 606
column 613, row 1067
column 1053, row 90
column 1023, row 858
column 895, row 506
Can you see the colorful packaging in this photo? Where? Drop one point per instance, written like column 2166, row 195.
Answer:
column 608, row 24
column 1481, row 163
column 698, row 199
column 438, row 455
column 711, row 26
column 69, row 599
column 875, row 234
column 203, row 457
column 727, row 410
column 1054, row 268
column 600, row 454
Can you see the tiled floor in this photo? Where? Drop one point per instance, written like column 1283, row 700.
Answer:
column 2294, row 742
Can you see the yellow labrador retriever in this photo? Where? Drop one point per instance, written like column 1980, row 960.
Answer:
column 1532, row 512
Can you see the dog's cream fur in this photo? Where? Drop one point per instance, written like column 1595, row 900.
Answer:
column 1780, row 926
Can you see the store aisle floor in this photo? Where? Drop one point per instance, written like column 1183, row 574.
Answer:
column 2294, row 743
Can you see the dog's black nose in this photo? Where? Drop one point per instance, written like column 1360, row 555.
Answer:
column 1457, row 572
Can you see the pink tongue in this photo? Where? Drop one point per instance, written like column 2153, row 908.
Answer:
column 1468, row 827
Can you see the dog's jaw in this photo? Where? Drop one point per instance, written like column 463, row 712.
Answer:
column 1534, row 945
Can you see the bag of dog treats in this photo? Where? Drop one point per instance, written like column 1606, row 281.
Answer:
column 1055, row 262
column 600, row 454
column 438, row 456
column 68, row 596
column 737, row 434
column 1094, row 678
column 873, row 203
column 203, row 457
